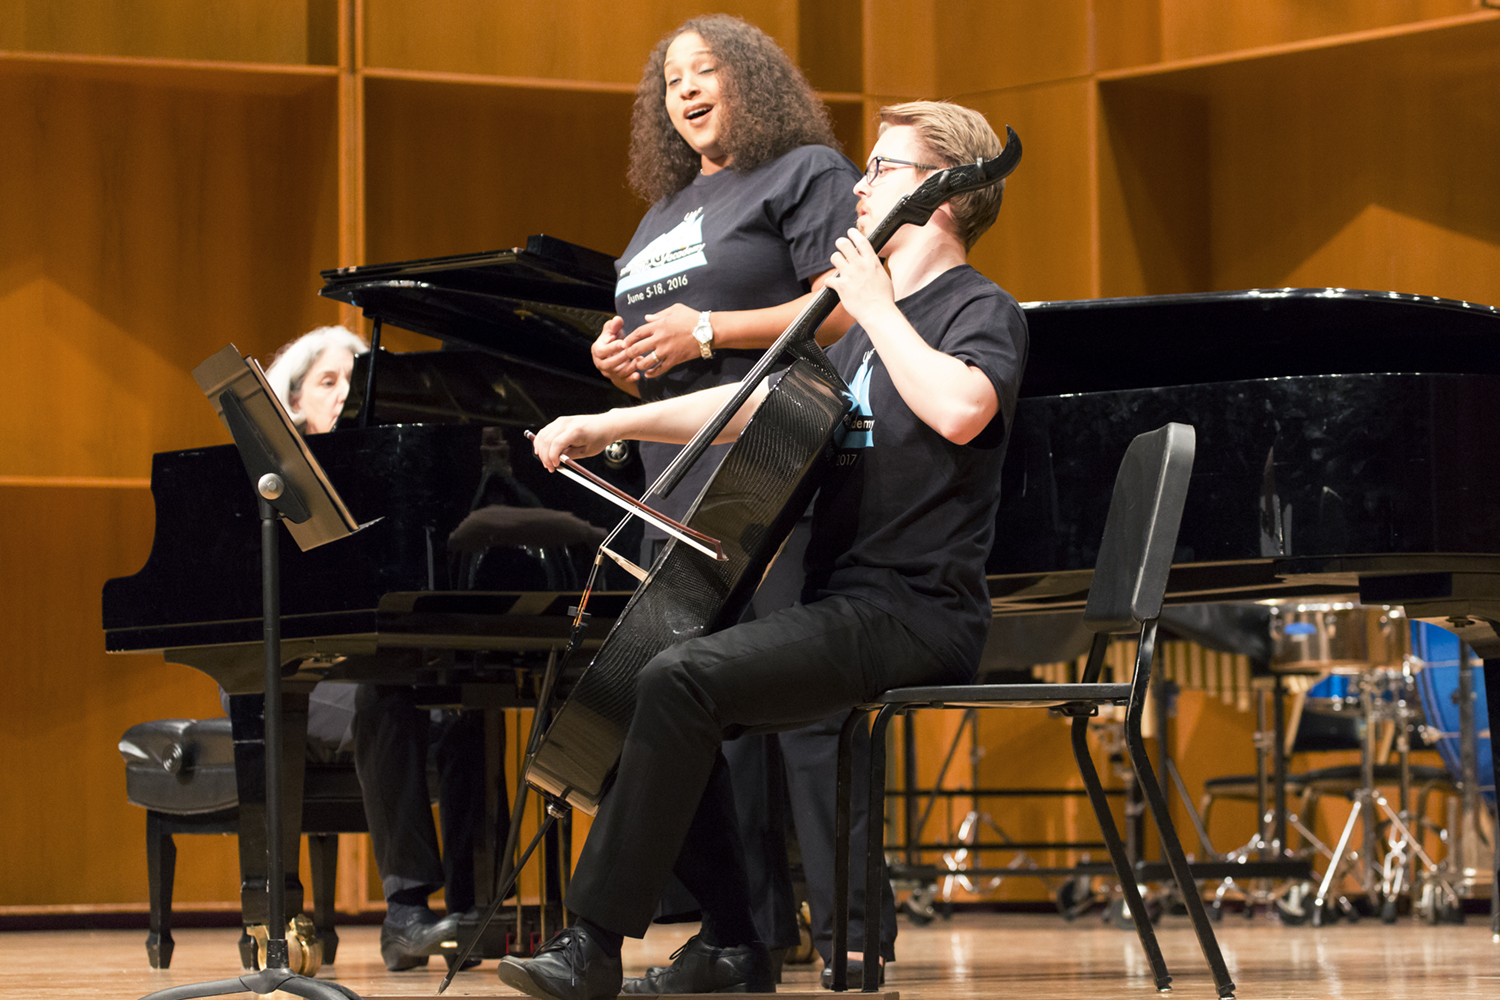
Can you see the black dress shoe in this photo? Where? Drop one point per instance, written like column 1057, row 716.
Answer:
column 856, row 975
column 571, row 966
column 407, row 938
column 700, row 968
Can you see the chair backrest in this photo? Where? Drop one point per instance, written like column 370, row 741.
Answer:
column 1140, row 532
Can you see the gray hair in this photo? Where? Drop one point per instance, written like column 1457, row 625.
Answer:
column 292, row 362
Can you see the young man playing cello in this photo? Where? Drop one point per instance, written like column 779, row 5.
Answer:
column 895, row 592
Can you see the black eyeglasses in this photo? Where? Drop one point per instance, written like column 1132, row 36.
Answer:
column 880, row 163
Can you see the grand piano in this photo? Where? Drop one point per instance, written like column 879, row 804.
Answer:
column 1342, row 438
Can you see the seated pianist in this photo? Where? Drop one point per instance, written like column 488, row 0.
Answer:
column 392, row 739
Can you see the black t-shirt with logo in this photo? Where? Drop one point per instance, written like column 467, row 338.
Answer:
column 907, row 518
column 730, row 241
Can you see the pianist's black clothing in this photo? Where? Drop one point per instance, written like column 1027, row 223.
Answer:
column 392, row 742
column 915, row 606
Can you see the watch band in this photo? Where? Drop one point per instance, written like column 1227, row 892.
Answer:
column 703, row 332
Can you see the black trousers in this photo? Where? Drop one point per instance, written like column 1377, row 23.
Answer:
column 672, row 805
column 392, row 741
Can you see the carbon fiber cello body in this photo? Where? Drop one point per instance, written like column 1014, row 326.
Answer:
column 750, row 505
column 764, row 484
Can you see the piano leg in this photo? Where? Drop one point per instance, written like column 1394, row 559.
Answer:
column 247, row 721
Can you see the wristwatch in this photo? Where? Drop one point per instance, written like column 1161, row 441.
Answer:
column 703, row 333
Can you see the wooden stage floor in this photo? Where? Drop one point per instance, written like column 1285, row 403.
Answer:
column 969, row 956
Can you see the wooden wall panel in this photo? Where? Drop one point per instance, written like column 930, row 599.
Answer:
column 456, row 168
column 1154, row 208
column 983, row 46
column 553, row 39
column 830, row 36
column 146, row 227
column 1363, row 170
column 901, row 54
column 69, row 835
column 272, row 31
column 853, row 127
column 1191, row 28
column 1041, row 245
column 1126, row 33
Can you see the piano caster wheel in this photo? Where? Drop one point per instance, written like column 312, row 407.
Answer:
column 248, row 951
column 304, row 949
column 1388, row 911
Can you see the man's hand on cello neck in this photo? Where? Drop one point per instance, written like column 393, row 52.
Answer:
column 952, row 397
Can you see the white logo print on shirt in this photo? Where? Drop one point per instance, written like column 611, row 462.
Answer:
column 674, row 251
column 859, row 423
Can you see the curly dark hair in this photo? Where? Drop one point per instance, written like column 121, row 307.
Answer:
column 784, row 114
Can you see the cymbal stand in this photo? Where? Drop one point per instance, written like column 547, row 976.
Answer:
column 1266, row 843
column 1469, row 855
column 1371, row 809
column 274, row 496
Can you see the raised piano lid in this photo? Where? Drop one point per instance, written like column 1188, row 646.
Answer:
column 1096, row 345
column 543, row 304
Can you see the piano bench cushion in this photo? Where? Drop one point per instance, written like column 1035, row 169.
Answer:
column 180, row 766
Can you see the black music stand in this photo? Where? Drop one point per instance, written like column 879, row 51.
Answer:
column 289, row 484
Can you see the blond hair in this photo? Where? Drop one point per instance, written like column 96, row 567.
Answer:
column 951, row 135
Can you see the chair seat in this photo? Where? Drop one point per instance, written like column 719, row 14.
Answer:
column 1246, row 786
column 1346, row 778
column 1007, row 695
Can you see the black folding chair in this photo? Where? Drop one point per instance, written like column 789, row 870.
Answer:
column 1130, row 577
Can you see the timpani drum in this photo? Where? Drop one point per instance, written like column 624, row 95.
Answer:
column 1337, row 638
column 1438, row 686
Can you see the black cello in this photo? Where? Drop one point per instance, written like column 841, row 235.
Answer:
column 752, row 502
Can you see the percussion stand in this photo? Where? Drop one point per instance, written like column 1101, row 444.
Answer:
column 1269, row 842
column 1369, row 807
column 1459, row 873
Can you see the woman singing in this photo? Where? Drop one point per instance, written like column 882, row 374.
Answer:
column 749, row 192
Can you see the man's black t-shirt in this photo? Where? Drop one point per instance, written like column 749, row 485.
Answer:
column 906, row 519
column 731, row 240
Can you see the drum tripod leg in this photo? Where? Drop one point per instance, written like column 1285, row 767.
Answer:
column 1336, row 864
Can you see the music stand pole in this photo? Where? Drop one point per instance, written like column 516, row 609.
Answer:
column 271, row 489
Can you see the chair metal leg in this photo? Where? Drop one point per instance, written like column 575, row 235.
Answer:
column 1171, row 846
column 1117, row 854
column 161, row 871
column 842, row 795
column 875, row 846
column 323, row 857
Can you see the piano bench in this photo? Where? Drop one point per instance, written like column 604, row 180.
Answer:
column 181, row 771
